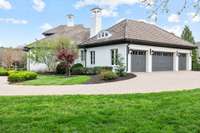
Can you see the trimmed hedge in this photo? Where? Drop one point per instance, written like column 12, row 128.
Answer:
column 78, row 69
column 19, row 76
column 108, row 75
column 3, row 72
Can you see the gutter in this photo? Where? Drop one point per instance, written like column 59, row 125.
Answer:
column 135, row 41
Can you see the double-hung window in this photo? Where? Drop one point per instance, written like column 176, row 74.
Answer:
column 114, row 56
column 83, row 55
column 92, row 57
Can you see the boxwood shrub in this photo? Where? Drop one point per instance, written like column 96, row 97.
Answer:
column 3, row 72
column 78, row 69
column 108, row 75
column 19, row 76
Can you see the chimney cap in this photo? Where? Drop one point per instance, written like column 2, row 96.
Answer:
column 70, row 15
column 96, row 9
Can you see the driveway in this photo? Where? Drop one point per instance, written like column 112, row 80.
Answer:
column 143, row 83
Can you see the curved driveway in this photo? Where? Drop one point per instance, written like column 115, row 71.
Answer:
column 143, row 83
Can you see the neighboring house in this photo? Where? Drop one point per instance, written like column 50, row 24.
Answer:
column 144, row 47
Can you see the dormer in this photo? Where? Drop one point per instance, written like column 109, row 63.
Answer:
column 104, row 35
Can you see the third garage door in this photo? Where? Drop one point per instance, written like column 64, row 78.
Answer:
column 162, row 61
column 182, row 62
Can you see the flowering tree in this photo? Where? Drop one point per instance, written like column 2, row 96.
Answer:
column 67, row 56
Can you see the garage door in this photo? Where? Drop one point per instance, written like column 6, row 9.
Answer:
column 182, row 62
column 138, row 61
column 162, row 61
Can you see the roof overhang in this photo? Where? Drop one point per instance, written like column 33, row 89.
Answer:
column 134, row 41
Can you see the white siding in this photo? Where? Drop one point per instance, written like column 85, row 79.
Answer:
column 103, row 54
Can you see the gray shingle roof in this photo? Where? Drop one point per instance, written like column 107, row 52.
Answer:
column 77, row 33
column 138, row 31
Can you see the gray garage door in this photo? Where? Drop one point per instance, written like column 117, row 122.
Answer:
column 182, row 62
column 162, row 61
column 138, row 61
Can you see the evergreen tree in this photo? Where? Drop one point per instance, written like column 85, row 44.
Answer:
column 187, row 36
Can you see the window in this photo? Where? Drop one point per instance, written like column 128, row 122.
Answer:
column 92, row 57
column 83, row 55
column 114, row 56
column 103, row 34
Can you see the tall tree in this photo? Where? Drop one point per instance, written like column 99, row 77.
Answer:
column 187, row 35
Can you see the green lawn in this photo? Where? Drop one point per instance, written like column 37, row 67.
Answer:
column 57, row 80
column 175, row 112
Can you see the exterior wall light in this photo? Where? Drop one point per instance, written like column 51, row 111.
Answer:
column 151, row 52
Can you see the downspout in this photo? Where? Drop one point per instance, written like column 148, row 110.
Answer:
column 85, row 51
column 127, row 52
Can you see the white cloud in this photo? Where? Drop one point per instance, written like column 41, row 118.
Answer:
column 110, row 5
column 5, row 4
column 46, row 27
column 109, row 13
column 13, row 21
column 177, row 29
column 194, row 17
column 39, row 5
column 174, row 18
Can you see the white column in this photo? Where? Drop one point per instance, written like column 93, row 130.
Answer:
column 175, row 62
column 148, row 61
column 189, row 62
column 129, row 62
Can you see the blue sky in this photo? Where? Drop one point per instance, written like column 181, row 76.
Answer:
column 23, row 21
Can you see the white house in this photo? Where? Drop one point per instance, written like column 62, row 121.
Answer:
column 144, row 47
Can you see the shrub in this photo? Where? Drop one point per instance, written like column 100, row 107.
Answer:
column 19, row 76
column 90, row 71
column 108, row 75
column 78, row 69
column 78, row 65
column 99, row 69
column 61, row 68
column 3, row 72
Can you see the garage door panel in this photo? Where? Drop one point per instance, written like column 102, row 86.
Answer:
column 138, row 61
column 162, row 61
column 182, row 62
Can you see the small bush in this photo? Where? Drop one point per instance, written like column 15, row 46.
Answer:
column 97, row 70
column 108, row 75
column 19, row 76
column 3, row 72
column 78, row 65
column 77, row 69
column 61, row 69
column 90, row 71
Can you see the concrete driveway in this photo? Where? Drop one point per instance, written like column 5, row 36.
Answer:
column 143, row 83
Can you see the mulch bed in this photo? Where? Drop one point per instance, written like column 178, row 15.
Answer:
column 96, row 80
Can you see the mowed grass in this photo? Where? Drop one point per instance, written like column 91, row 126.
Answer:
column 175, row 112
column 57, row 80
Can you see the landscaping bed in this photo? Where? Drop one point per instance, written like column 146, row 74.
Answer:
column 95, row 79
column 171, row 112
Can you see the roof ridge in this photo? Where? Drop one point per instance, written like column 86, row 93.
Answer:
column 126, row 28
